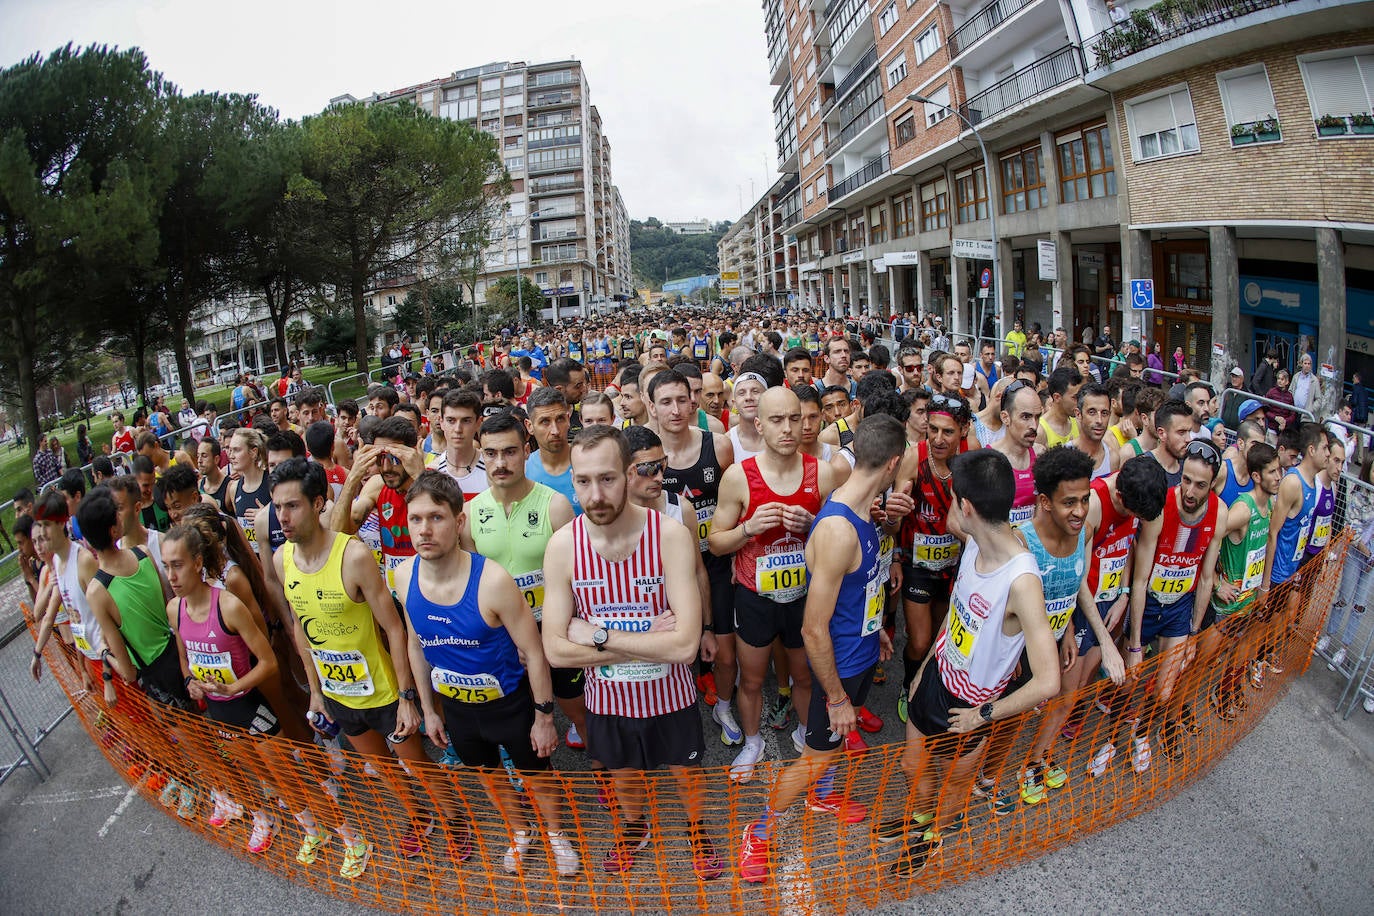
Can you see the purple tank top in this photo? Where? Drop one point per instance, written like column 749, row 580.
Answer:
column 213, row 653
column 1320, row 533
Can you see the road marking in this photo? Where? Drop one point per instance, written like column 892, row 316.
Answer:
column 81, row 796
column 123, row 806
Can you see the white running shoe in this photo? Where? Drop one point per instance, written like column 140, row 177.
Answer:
column 1102, row 759
column 1324, row 641
column 565, row 858
column 730, row 732
column 511, row 861
column 264, row 829
column 799, row 737
column 1140, row 753
column 742, row 770
column 1369, row 705
column 1337, row 659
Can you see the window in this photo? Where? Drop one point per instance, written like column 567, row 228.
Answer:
column 514, row 79
column 808, row 31
column 541, row 278
column 1248, row 102
column 489, row 85
column 896, row 71
column 805, row 156
column 802, row 120
column 905, row 129
column 818, row 144
column 822, row 184
column 1338, row 87
column 815, row 106
column 796, row 52
column 514, row 162
column 903, row 217
column 877, row 224
column 934, row 205
column 937, row 109
column 887, row 18
column 927, row 43
column 810, row 194
column 811, row 68
column 1023, row 181
column 971, row 190
column 1086, row 169
column 1163, row 125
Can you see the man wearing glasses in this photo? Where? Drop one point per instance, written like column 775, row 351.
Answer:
column 1171, row 587
column 912, row 367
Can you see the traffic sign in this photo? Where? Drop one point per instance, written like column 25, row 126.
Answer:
column 985, row 279
column 1142, row 295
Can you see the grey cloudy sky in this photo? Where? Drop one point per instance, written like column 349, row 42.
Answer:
column 682, row 88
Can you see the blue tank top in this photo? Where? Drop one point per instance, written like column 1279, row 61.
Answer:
column 1060, row 576
column 470, row 662
column 859, row 606
column 1232, row 490
column 534, row 470
column 1292, row 540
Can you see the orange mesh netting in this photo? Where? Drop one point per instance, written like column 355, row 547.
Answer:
column 822, row 865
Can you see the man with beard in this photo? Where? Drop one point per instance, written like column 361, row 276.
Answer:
column 549, row 422
column 1021, row 411
column 1094, row 416
column 392, row 453
column 1198, row 397
column 1174, row 430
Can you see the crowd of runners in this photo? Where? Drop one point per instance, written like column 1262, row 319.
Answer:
column 621, row 522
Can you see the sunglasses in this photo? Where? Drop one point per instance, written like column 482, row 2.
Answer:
column 1203, row 449
column 914, row 367
column 651, row 468
column 1010, row 391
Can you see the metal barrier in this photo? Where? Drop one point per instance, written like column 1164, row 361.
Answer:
column 1242, row 395
column 29, row 711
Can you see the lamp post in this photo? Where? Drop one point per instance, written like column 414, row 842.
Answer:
column 992, row 209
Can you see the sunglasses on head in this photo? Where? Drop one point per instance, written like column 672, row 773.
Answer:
column 651, row 468
column 1203, row 449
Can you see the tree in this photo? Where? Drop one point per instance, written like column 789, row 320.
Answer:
column 80, row 186
column 333, row 337
column 295, row 335
column 504, row 299
column 383, row 185
column 444, row 308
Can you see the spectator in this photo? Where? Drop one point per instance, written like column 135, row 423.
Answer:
column 46, row 464
column 1279, row 418
column 1156, row 363
column 1179, row 361
column 84, row 451
column 1359, row 399
column 1265, row 373
column 1304, row 385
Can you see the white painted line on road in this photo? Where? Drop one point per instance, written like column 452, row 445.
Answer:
column 81, row 796
column 123, row 806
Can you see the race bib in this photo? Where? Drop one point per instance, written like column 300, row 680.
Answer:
column 959, row 639
column 887, row 545
column 934, row 551
column 704, row 516
column 1060, row 612
column 1020, row 515
column 531, row 586
column 79, row 636
column 211, row 667
column 781, row 577
column 1170, row 583
column 342, row 674
column 389, row 564
column 1110, row 573
column 1321, row 532
column 249, row 531
column 466, row 688
column 1254, row 569
column 699, row 351
column 632, row 672
column 874, row 604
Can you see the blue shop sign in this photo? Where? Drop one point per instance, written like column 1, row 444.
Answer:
column 1297, row 301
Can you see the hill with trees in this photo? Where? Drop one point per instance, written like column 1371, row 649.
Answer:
column 658, row 253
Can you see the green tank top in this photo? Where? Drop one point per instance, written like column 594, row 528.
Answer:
column 142, row 610
column 1242, row 564
column 353, row 667
column 516, row 541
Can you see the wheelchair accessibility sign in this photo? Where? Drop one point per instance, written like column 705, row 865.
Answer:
column 1142, row 295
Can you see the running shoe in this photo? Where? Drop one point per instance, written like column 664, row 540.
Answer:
column 1001, row 801
column 1325, row 639
column 867, row 720
column 754, row 856
column 634, row 836
column 170, row 793
column 565, row 858
column 413, row 842
column 186, row 806
column 310, row 847
column 1103, row 707
column 1226, row 709
column 1072, row 729
column 450, row 757
column 916, row 854
column 1055, row 776
column 574, row 740
column 1032, row 785
column 1368, row 704
column 1098, row 765
column 460, row 845
column 845, row 809
column 355, row 860
column 223, row 810
column 605, row 789
column 879, row 675
column 730, row 732
column 511, row 860
column 854, row 743
column 902, row 708
column 1271, row 663
column 1187, row 720
column 742, row 770
column 1170, row 741
column 799, row 737
column 779, row 712
column 706, row 863
column 1336, row 660
column 706, row 686
column 264, row 829
column 1256, row 674
column 1140, row 753
column 891, row 831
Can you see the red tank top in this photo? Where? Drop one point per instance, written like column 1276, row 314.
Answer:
column 627, row 595
column 1107, row 573
column 1178, row 555
column 925, row 530
column 395, row 532
column 773, row 562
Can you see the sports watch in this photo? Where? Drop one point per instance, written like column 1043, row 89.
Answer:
column 546, row 707
column 986, row 712
column 407, row 694
column 599, row 636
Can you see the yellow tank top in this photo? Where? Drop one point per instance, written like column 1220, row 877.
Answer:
column 1053, row 438
column 1117, row 435
column 353, row 667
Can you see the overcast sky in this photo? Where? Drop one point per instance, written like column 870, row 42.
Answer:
column 682, row 88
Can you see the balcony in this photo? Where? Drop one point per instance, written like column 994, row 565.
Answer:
column 1164, row 21
column 983, row 22
column 553, row 141
column 557, row 212
column 856, row 73
column 864, row 118
column 559, row 258
column 562, row 78
column 558, row 235
column 556, row 120
column 1063, row 66
column 871, row 172
column 553, row 100
column 554, row 165
column 561, row 184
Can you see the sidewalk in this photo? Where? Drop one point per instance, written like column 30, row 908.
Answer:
column 1280, row 826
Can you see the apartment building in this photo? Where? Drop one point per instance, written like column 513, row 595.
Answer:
column 1121, row 147
column 756, row 247
column 689, row 227
column 567, row 226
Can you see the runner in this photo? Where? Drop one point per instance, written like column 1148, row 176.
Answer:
column 339, row 607
column 631, row 405
column 72, row 568
column 621, row 601
column 779, row 492
column 248, row 486
column 460, row 414
column 1174, row 430
column 837, row 357
column 1295, row 507
column 997, row 610
column 1235, row 478
column 1059, row 425
column 797, row 365
column 1094, row 417
column 844, row 637
column 398, row 462
column 468, row 633
column 551, row 465
column 1021, row 411
column 745, row 438
column 213, row 483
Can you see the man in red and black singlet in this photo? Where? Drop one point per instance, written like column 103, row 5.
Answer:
column 767, row 504
column 398, row 461
column 930, row 549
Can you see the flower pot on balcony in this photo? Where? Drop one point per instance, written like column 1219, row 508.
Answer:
column 1334, row 130
column 1267, row 136
column 1242, row 139
column 1362, row 129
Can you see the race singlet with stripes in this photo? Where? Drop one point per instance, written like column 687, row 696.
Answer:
column 976, row 658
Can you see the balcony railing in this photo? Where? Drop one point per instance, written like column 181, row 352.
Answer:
column 554, row 185
column 554, row 141
column 866, row 117
column 1061, row 67
column 559, row 258
column 1166, row 20
column 562, row 78
column 555, row 120
column 553, row 100
column 554, row 165
column 983, row 22
column 558, row 212
column 856, row 73
column 557, row 234
column 871, row 172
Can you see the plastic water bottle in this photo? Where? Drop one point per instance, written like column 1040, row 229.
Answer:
column 322, row 724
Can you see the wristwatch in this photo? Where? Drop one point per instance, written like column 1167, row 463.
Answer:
column 599, row 636
column 986, row 712
column 546, row 707
column 407, row 694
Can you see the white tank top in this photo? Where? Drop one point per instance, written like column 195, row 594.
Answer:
column 976, row 658
column 673, row 507
column 740, row 451
column 85, row 628
column 153, row 549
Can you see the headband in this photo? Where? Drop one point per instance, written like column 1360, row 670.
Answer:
column 751, row 376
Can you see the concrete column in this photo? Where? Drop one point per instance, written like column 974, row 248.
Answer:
column 1061, row 290
column 1138, row 263
column 1225, row 302
column 896, row 303
column 923, row 290
column 1331, row 321
column 1002, row 287
column 958, row 295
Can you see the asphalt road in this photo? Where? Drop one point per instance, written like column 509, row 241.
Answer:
column 1281, row 825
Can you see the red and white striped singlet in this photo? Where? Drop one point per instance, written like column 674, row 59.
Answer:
column 627, row 595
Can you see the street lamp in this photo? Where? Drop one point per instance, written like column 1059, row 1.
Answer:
column 992, row 208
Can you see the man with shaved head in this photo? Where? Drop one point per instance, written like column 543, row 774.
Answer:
column 767, row 504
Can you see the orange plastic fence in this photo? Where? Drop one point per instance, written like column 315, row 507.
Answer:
column 822, row 865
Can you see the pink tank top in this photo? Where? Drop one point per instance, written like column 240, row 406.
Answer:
column 213, row 653
column 1023, row 504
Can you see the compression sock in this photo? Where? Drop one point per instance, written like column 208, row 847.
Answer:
column 825, row 786
column 910, row 667
column 763, row 827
